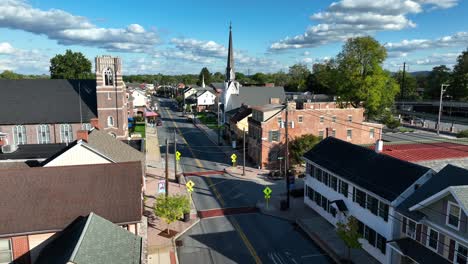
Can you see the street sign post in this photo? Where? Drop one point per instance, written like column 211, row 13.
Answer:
column 162, row 186
column 267, row 191
column 233, row 159
column 177, row 155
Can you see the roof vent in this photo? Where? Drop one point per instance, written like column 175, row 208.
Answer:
column 9, row 148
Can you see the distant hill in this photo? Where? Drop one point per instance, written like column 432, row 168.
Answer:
column 420, row 73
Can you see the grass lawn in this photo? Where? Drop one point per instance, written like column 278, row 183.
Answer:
column 140, row 128
column 208, row 119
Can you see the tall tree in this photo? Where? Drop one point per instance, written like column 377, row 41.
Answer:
column 204, row 73
column 459, row 85
column 361, row 79
column 438, row 76
column 71, row 65
column 410, row 85
column 261, row 78
column 280, row 78
column 323, row 78
column 298, row 76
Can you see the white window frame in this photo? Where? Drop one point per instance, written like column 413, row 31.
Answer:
column 69, row 129
column 321, row 132
column 86, row 126
column 350, row 118
column 110, row 121
column 455, row 255
column 300, row 119
column 322, row 119
column 24, row 137
column 413, row 235
column 371, row 133
column 449, row 205
column 333, row 133
column 349, row 137
column 428, row 239
column 40, row 130
column 10, row 250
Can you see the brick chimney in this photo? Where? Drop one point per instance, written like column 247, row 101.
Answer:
column 82, row 134
column 269, row 84
column 94, row 122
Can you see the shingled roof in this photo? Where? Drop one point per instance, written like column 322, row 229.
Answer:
column 383, row 175
column 47, row 101
column 49, row 198
column 92, row 240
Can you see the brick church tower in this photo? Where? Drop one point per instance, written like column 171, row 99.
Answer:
column 111, row 99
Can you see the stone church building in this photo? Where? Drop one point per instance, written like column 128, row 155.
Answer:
column 53, row 110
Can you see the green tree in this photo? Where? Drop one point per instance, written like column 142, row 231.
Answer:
column 459, row 84
column 361, row 79
column 206, row 73
column 301, row 145
column 323, row 78
column 71, row 65
column 219, row 77
column 10, row 75
column 410, row 85
column 438, row 76
column 349, row 233
column 260, row 78
column 298, row 76
column 170, row 208
column 280, row 78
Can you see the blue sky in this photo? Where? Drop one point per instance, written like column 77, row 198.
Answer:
column 173, row 37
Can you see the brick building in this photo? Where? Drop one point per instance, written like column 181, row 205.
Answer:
column 52, row 111
column 266, row 134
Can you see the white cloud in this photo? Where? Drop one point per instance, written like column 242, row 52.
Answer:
column 435, row 59
column 25, row 61
column 6, row 48
column 69, row 29
column 455, row 40
column 351, row 18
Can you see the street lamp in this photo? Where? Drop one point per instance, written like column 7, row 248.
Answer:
column 443, row 88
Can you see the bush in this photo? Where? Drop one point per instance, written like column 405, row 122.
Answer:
column 391, row 122
column 171, row 208
column 462, row 134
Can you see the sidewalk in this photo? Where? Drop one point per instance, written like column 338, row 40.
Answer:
column 161, row 250
column 316, row 227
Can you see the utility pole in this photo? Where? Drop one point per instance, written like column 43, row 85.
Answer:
column 243, row 156
column 286, row 162
column 175, row 156
column 442, row 91
column 167, row 167
column 219, row 127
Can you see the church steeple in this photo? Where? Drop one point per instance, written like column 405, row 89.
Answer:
column 230, row 75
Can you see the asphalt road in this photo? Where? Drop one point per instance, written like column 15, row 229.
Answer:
column 242, row 238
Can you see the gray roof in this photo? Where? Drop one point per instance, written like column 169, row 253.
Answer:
column 417, row 251
column 257, row 95
column 462, row 194
column 381, row 174
column 448, row 176
column 33, row 152
column 47, row 101
column 92, row 240
column 112, row 147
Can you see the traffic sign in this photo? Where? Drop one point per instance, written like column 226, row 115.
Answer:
column 267, row 191
column 177, row 154
column 233, row 157
column 190, row 185
column 162, row 186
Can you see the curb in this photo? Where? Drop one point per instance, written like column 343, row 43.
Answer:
column 322, row 244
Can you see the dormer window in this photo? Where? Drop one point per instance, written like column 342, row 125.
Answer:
column 453, row 215
column 108, row 77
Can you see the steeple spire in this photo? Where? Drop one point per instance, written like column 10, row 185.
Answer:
column 230, row 75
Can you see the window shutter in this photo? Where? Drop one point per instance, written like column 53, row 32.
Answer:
column 451, row 254
column 403, row 227
column 269, row 136
column 279, row 135
column 418, row 232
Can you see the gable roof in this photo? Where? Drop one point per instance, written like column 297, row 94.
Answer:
column 92, row 240
column 256, row 95
column 48, row 198
column 54, row 101
column 383, row 175
column 112, row 147
column 450, row 176
column 241, row 114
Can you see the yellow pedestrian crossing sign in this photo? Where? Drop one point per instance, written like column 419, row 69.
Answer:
column 177, row 155
column 233, row 157
column 267, row 191
column 190, row 185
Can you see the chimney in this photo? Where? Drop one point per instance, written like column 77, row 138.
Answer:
column 378, row 146
column 94, row 122
column 82, row 134
column 269, row 84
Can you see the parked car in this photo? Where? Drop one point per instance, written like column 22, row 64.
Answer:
column 275, row 175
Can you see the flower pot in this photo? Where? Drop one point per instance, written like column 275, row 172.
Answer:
column 186, row 217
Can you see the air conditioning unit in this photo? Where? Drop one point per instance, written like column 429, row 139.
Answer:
column 9, row 148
